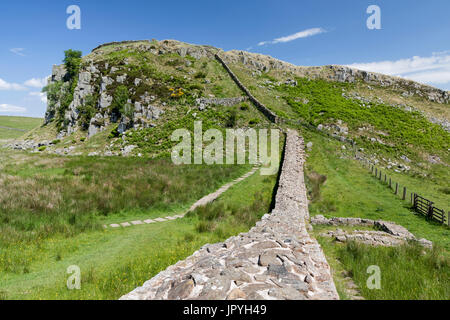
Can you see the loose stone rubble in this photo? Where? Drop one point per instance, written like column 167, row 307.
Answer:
column 276, row 259
column 390, row 234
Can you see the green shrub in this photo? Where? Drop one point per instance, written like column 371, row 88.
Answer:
column 56, row 141
column 231, row 118
column 200, row 75
column 114, row 133
column 254, row 121
column 244, row 106
column 42, row 148
column 87, row 111
column 120, row 101
column 72, row 62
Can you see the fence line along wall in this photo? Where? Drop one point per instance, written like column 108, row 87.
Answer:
column 420, row 204
column 276, row 259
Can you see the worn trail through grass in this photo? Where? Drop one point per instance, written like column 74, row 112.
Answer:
column 200, row 203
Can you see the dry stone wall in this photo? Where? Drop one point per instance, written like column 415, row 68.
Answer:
column 266, row 111
column 276, row 259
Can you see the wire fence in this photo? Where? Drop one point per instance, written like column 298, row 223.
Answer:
column 420, row 204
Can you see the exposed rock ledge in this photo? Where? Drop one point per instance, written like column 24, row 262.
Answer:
column 390, row 234
column 276, row 259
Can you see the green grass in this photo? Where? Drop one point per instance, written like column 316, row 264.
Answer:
column 340, row 187
column 15, row 127
column 408, row 272
column 350, row 191
column 433, row 186
column 115, row 261
column 46, row 195
column 317, row 101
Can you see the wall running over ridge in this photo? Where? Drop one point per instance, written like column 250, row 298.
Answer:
column 266, row 111
column 276, row 259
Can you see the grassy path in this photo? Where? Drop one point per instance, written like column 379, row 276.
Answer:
column 115, row 261
column 200, row 203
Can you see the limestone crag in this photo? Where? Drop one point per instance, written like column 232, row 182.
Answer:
column 263, row 63
column 276, row 259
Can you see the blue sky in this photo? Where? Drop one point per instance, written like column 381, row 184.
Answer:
column 414, row 39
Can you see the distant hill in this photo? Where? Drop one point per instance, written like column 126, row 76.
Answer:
column 15, row 127
column 138, row 92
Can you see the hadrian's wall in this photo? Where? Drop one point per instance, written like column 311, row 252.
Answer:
column 266, row 111
column 276, row 259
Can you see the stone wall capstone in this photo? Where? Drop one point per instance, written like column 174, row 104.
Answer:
column 276, row 259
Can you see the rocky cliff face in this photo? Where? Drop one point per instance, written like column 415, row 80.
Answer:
column 106, row 68
column 98, row 78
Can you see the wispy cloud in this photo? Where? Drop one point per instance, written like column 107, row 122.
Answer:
column 11, row 108
column 18, row 51
column 295, row 36
column 41, row 95
column 7, row 86
column 31, row 83
column 36, row 82
column 433, row 69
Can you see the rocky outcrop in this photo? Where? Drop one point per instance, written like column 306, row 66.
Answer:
column 160, row 47
column 347, row 74
column 226, row 102
column 276, row 259
column 389, row 234
column 263, row 63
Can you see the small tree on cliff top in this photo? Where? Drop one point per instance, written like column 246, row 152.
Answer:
column 72, row 61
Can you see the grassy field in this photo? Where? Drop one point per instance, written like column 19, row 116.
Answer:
column 43, row 195
column 408, row 272
column 115, row 261
column 15, row 127
column 348, row 190
column 340, row 187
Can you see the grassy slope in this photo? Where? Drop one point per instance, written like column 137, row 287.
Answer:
column 350, row 191
column 115, row 261
column 46, row 195
column 407, row 272
column 24, row 124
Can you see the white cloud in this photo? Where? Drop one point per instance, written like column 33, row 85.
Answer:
column 36, row 82
column 433, row 69
column 295, row 36
column 42, row 96
column 33, row 83
column 11, row 108
column 18, row 51
column 11, row 86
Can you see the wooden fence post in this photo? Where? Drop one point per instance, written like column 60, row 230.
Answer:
column 390, row 183
column 415, row 201
column 376, row 172
column 430, row 211
column 396, row 188
column 404, row 193
column 380, row 176
column 385, row 177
